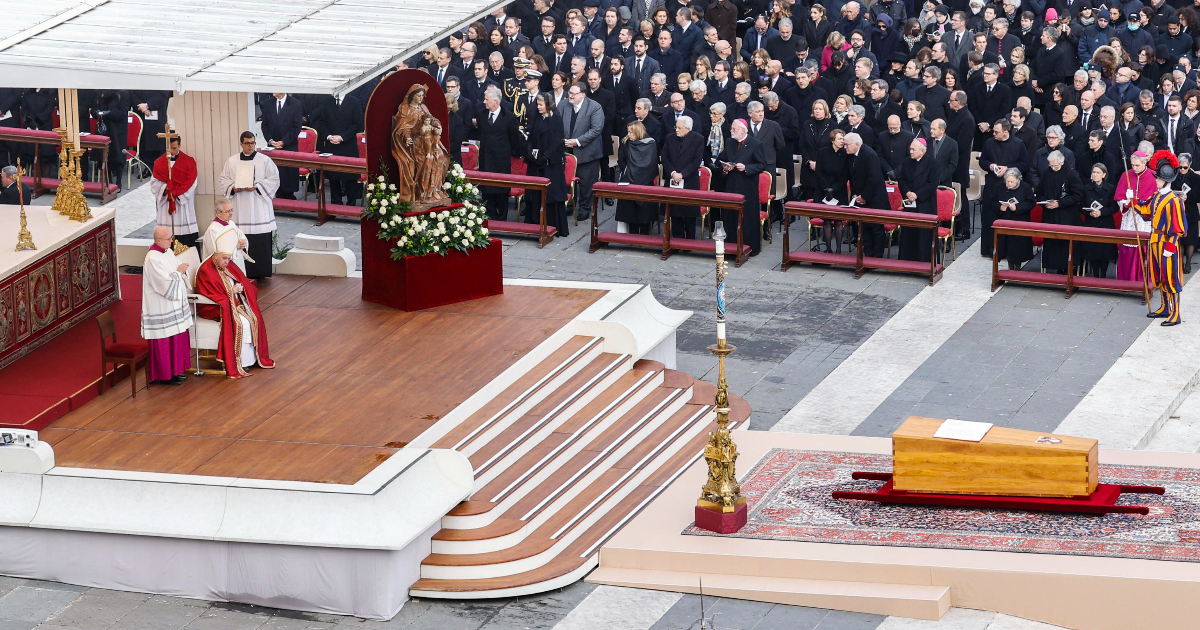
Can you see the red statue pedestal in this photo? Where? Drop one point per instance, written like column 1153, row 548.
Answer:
column 721, row 522
column 414, row 283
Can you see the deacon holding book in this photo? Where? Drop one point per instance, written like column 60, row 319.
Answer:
column 1165, row 212
column 249, row 181
column 223, row 221
column 243, row 341
column 174, row 189
column 166, row 317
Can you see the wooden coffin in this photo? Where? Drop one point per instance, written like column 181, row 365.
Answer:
column 1006, row 462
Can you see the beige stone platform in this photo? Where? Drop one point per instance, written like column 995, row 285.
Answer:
column 1068, row 591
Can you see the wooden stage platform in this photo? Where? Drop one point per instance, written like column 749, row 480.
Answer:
column 355, row 382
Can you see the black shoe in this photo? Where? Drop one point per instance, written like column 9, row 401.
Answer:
column 608, row 201
column 169, row 382
column 753, row 253
column 585, row 217
column 1156, row 315
column 1170, row 323
column 178, row 379
column 182, row 377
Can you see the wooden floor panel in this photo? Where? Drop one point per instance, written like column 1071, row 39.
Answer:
column 353, row 383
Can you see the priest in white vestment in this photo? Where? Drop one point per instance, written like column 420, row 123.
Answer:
column 249, row 181
column 223, row 222
column 174, row 189
column 166, row 317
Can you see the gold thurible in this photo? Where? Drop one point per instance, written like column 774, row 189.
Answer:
column 721, row 493
column 24, row 238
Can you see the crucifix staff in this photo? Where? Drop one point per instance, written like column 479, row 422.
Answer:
column 168, row 135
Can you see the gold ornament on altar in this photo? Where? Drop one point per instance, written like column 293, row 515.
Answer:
column 68, row 199
column 421, row 160
column 24, row 238
column 721, row 493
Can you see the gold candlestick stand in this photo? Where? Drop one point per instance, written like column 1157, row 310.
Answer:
column 721, row 507
column 68, row 199
column 24, row 238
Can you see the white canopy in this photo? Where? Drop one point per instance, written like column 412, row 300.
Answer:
column 303, row 46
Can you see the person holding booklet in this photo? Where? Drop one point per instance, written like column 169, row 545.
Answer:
column 249, row 181
column 1016, row 202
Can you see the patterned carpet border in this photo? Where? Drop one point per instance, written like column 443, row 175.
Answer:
column 789, row 496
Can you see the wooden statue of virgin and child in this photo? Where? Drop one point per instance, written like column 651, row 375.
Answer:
column 421, row 160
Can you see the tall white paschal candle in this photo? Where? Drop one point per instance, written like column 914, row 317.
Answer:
column 719, row 238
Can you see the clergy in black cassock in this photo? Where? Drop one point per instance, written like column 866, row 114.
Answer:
column 918, row 179
column 1099, row 205
column 1059, row 191
column 682, row 154
column 867, row 189
column 742, row 160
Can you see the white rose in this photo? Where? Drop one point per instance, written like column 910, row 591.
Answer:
column 395, row 198
column 383, row 210
column 484, row 232
column 446, row 185
column 435, row 248
column 381, row 179
column 383, row 203
column 445, row 239
column 370, row 187
column 392, row 186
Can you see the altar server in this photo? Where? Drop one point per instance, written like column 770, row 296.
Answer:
column 174, row 189
column 1165, row 212
column 166, row 317
column 243, row 341
column 249, row 181
column 224, row 220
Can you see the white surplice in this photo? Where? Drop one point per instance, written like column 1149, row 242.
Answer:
column 165, row 311
column 253, row 210
column 184, row 219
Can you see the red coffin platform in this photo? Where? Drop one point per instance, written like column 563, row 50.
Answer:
column 414, row 283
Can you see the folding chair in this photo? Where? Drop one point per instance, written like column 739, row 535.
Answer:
column 133, row 149
column 946, row 213
column 572, row 181
column 764, row 201
column 307, row 143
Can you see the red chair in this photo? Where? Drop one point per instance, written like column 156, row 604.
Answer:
column 133, row 149
column 569, row 175
column 896, row 200
column 120, row 353
column 765, row 197
column 705, row 184
column 362, row 153
column 306, row 142
column 470, row 156
column 947, row 199
column 517, row 166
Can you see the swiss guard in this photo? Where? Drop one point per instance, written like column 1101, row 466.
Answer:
column 1165, row 212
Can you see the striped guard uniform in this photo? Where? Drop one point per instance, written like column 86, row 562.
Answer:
column 1165, row 212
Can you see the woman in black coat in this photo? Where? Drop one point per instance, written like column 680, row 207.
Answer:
column 814, row 135
column 637, row 163
column 1190, row 178
column 1098, row 205
column 682, row 154
column 1094, row 152
column 915, row 122
column 832, row 177
column 1016, row 249
column 112, row 119
column 457, row 129
column 546, row 157
column 1059, row 190
column 918, row 179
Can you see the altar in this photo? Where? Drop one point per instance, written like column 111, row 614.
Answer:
column 69, row 277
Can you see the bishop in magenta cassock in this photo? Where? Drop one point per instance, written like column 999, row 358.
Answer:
column 243, row 340
column 166, row 317
column 174, row 189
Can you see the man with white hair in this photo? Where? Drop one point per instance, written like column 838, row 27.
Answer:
column 166, row 316
column 243, row 341
column 9, row 192
column 742, row 161
column 682, row 156
column 222, row 222
column 1060, row 191
column 867, row 190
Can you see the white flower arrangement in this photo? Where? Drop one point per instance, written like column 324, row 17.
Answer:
column 418, row 234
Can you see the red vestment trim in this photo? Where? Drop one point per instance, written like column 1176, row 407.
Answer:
column 182, row 176
column 211, row 284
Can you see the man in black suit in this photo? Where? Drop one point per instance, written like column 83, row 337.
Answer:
column 339, row 127
column 658, row 95
column 856, row 119
column 721, row 87
column 1024, row 132
column 599, row 60
column 513, row 39
column 868, row 190
column 1001, row 43
column 621, row 84
column 1000, row 152
column 932, row 94
column 960, row 126
column 1089, row 113
column 559, row 59
column 543, row 43
column 785, row 116
column 281, row 121
column 1052, row 64
column 774, row 146
column 444, row 68
column 8, row 188
column 641, row 113
column 499, row 141
column 880, row 109
column 1179, row 131
column 497, row 71
column 641, row 66
column 473, row 89
column 679, row 110
column 991, row 102
column 979, row 43
column 944, row 151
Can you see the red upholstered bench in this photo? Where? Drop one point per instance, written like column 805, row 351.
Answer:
column 333, row 209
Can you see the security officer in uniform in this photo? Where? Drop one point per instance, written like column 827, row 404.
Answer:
column 515, row 84
column 525, row 102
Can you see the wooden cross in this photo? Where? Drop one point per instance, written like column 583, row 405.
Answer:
column 18, row 176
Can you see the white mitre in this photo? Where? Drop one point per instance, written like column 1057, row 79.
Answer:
column 227, row 241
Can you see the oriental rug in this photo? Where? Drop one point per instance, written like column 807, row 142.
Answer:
column 789, row 494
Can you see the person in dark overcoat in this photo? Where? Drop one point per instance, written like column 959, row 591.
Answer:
column 682, row 154
column 499, row 140
column 111, row 112
column 867, row 189
column 1190, row 178
column 1014, row 203
column 1099, row 205
column 282, row 118
column 546, row 157
column 1059, row 190
column 742, row 161
column 1000, row 152
column 831, row 180
column 37, row 112
column 637, row 163
column 339, row 123
column 918, row 179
